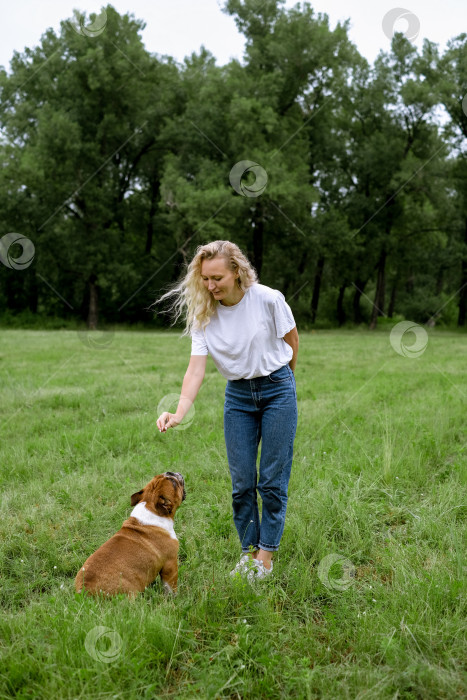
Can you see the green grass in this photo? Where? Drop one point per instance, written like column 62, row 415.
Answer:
column 379, row 478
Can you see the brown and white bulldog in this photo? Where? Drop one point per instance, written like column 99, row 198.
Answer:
column 145, row 546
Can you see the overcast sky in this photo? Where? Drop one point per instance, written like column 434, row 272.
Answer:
column 179, row 27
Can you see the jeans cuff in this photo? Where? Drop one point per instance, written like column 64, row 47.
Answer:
column 269, row 547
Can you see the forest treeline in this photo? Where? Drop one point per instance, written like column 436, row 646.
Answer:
column 117, row 163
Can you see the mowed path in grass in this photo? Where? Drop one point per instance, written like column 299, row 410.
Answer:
column 378, row 482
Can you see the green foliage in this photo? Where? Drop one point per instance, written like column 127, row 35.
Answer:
column 117, row 162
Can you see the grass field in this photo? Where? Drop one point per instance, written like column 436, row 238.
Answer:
column 379, row 480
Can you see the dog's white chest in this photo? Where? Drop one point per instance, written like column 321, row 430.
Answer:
column 145, row 517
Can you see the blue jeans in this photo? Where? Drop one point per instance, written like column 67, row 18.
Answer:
column 264, row 408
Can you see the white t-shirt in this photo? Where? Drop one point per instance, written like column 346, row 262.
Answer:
column 246, row 340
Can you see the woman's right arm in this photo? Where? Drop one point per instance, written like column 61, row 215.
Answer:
column 191, row 384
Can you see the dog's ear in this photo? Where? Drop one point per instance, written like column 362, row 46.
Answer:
column 163, row 506
column 136, row 497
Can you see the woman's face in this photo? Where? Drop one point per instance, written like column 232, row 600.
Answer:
column 220, row 281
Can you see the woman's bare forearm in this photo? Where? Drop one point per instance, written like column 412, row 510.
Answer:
column 291, row 338
column 293, row 361
column 191, row 385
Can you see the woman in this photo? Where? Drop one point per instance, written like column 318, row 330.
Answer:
column 250, row 332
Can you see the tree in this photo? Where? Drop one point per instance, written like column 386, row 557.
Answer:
column 86, row 111
column 447, row 75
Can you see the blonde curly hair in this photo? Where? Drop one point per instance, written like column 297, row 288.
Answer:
column 191, row 298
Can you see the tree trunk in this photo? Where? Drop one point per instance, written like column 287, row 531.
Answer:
column 33, row 293
column 93, row 312
column 359, row 288
column 463, row 298
column 316, row 288
column 341, row 317
column 302, row 263
column 392, row 300
column 11, row 290
column 463, row 291
column 378, row 306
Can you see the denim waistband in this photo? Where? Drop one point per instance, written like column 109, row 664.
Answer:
column 280, row 371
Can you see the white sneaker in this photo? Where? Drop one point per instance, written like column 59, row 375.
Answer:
column 245, row 564
column 258, row 571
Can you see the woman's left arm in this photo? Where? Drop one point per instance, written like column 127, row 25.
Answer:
column 291, row 338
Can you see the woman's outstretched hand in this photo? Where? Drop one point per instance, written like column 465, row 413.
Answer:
column 167, row 420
